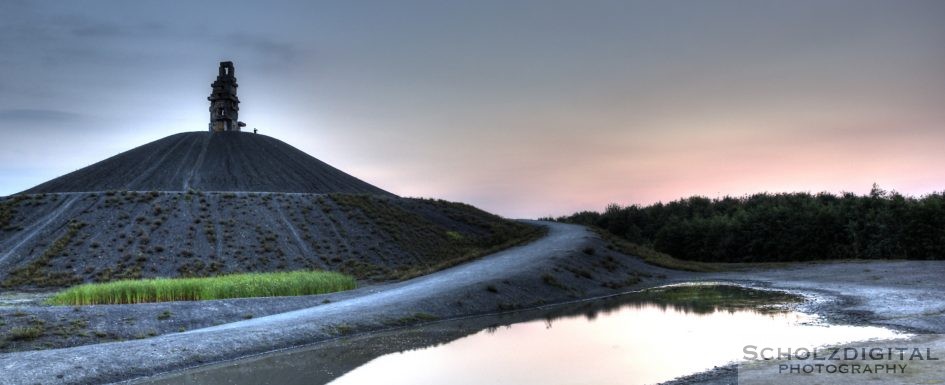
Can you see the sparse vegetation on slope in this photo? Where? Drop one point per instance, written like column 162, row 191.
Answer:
column 7, row 209
column 654, row 257
column 36, row 273
column 268, row 211
column 420, row 226
column 193, row 289
column 134, row 235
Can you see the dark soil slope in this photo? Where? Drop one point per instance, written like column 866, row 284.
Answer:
column 228, row 161
column 202, row 204
column 54, row 240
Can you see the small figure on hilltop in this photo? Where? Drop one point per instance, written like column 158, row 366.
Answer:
column 224, row 105
column 255, row 131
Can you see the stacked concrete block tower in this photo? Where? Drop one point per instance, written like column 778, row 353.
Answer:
column 224, row 105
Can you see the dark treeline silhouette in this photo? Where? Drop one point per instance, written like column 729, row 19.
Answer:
column 783, row 227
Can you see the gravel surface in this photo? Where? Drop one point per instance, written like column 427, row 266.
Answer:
column 906, row 295
column 61, row 239
column 569, row 263
column 223, row 161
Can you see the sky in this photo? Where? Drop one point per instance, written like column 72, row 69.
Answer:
column 522, row 108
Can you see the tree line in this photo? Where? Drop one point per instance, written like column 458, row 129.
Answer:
column 783, row 227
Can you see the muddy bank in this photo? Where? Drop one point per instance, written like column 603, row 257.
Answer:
column 326, row 361
column 904, row 295
column 907, row 296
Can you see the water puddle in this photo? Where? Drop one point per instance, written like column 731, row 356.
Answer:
column 640, row 338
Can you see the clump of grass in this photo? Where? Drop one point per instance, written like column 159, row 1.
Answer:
column 411, row 319
column 26, row 332
column 550, row 280
column 344, row 329
column 197, row 289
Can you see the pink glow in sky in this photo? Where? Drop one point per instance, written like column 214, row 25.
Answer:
column 522, row 108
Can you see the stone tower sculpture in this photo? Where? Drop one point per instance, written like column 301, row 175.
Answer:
column 224, row 105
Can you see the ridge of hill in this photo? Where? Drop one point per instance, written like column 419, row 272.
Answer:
column 204, row 161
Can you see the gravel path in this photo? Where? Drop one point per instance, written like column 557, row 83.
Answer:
column 560, row 238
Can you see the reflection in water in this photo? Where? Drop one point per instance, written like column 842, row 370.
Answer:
column 633, row 339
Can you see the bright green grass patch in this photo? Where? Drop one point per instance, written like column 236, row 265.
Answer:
column 197, row 289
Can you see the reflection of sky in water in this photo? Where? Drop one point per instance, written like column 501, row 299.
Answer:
column 633, row 345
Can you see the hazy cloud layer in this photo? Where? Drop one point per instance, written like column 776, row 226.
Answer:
column 525, row 108
column 27, row 115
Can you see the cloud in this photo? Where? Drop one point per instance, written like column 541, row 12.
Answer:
column 263, row 46
column 91, row 30
column 39, row 115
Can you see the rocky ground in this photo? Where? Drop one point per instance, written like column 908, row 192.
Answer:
column 569, row 263
column 903, row 295
column 61, row 239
